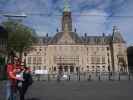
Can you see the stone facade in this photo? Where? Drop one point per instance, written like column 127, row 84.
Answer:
column 68, row 52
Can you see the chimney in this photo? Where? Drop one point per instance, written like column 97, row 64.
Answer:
column 75, row 30
column 85, row 35
column 47, row 35
column 103, row 34
column 57, row 30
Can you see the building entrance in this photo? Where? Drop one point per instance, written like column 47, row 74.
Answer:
column 66, row 68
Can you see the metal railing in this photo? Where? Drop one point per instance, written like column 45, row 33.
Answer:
column 85, row 76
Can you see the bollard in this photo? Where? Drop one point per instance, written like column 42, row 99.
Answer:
column 129, row 76
column 58, row 78
column 119, row 76
column 84, row 75
column 38, row 77
column 109, row 76
column 112, row 75
column 79, row 77
column 48, row 77
column 69, row 77
column 89, row 77
column 99, row 78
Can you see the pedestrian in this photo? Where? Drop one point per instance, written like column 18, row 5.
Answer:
column 12, row 80
column 23, row 85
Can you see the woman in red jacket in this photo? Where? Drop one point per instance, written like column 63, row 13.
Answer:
column 12, row 69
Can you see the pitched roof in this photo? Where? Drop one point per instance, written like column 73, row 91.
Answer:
column 58, row 35
column 96, row 40
column 89, row 40
column 117, row 37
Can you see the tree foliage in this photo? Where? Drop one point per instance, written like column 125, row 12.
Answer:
column 20, row 37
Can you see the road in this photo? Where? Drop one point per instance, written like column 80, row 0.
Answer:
column 83, row 90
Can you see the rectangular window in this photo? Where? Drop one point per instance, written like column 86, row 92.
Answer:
column 34, row 60
column 103, row 59
column 93, row 60
column 29, row 60
column 40, row 60
column 93, row 68
column 98, row 59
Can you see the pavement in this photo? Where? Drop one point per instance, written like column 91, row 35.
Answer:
column 78, row 90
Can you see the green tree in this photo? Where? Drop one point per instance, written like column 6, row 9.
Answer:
column 20, row 37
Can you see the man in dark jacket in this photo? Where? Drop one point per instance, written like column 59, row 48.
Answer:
column 26, row 83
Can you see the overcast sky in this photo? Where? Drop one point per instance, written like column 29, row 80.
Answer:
column 97, row 16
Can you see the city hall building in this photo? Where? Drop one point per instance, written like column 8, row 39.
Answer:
column 66, row 51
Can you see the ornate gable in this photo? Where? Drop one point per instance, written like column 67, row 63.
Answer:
column 66, row 39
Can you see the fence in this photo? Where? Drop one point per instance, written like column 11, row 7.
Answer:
column 88, row 76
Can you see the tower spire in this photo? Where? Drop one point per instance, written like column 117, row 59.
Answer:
column 66, row 18
column 66, row 6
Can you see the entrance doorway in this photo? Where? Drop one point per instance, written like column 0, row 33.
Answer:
column 66, row 68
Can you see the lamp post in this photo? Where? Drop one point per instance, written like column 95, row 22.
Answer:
column 119, row 78
column 79, row 73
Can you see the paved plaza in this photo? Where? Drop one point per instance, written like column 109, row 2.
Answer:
column 75, row 90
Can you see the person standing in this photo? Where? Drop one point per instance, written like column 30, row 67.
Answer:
column 12, row 80
column 26, row 83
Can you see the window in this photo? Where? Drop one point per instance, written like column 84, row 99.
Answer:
column 107, row 48
column 87, row 49
column 29, row 60
column 98, row 60
column 98, row 68
column 77, row 69
column 103, row 60
column 71, row 69
column 40, row 49
column 66, row 68
column 82, row 69
column 103, row 68
column 87, row 68
column 45, row 60
column 54, row 68
column 49, row 69
column 34, row 68
column 93, row 60
column 44, row 67
column 93, row 68
column 2, row 43
column 40, row 60
column 34, row 60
